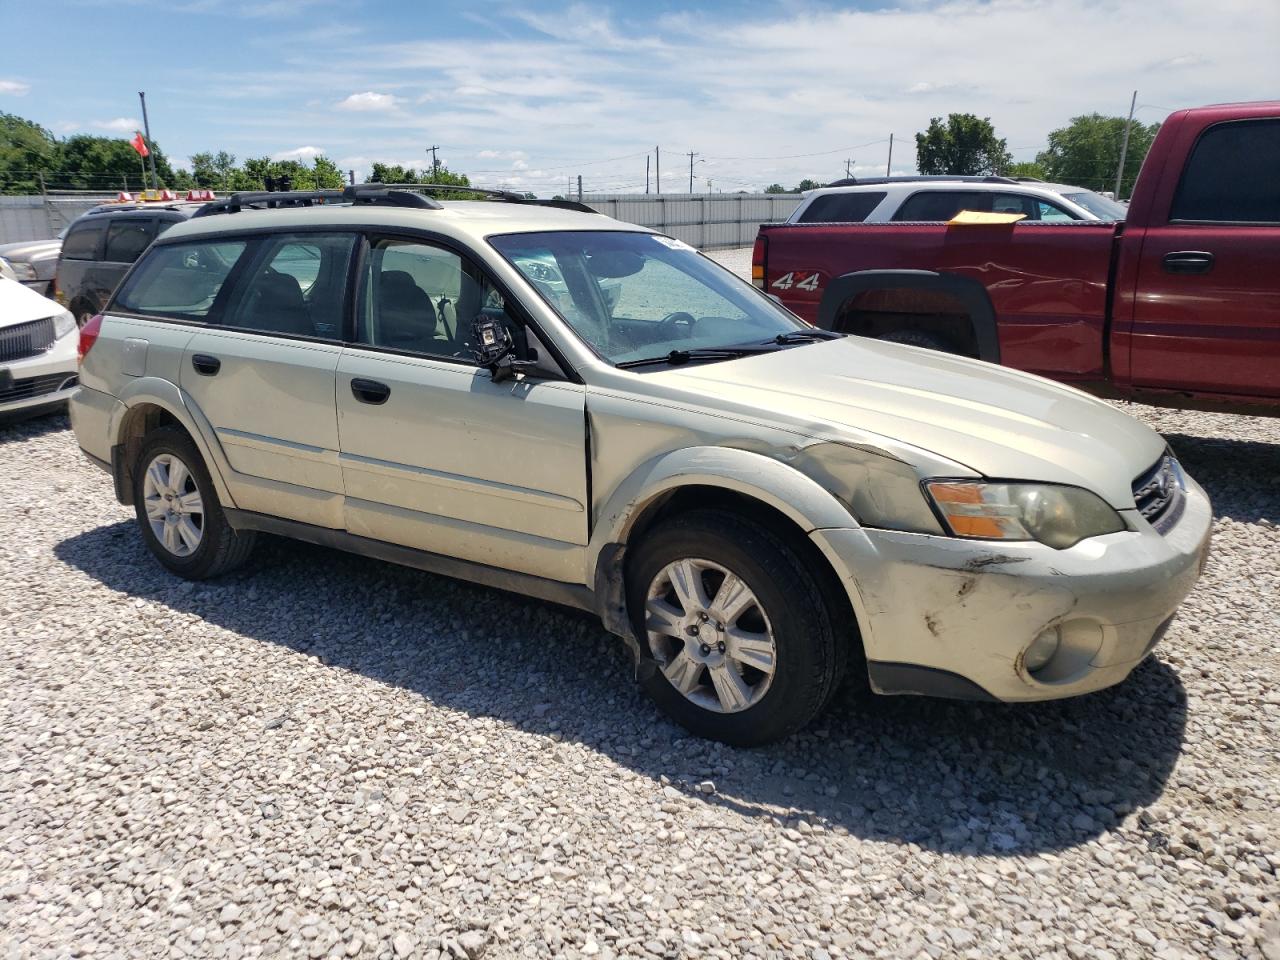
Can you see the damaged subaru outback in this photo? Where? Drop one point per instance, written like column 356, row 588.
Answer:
column 547, row 401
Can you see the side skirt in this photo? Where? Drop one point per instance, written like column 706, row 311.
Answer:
column 565, row 594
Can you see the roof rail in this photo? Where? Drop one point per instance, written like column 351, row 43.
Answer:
column 919, row 178
column 268, row 200
column 506, row 196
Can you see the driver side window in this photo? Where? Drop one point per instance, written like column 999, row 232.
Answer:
column 421, row 298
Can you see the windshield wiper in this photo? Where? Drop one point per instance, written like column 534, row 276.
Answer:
column 806, row 336
column 677, row 357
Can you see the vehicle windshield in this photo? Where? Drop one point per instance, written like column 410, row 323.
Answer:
column 1101, row 207
column 635, row 296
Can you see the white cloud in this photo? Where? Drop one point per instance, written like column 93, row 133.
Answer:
column 119, row 125
column 369, row 102
column 15, row 88
column 301, row 154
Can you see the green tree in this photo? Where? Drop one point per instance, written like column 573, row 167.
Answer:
column 1087, row 152
column 806, row 184
column 775, row 188
column 106, row 163
column 962, row 145
column 1029, row 169
column 326, row 175
column 26, row 148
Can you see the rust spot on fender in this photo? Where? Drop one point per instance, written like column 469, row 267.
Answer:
column 931, row 622
column 967, row 588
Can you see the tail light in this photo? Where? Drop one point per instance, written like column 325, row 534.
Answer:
column 88, row 336
column 54, row 292
column 759, row 254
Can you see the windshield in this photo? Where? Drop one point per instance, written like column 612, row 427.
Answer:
column 635, row 296
column 1100, row 206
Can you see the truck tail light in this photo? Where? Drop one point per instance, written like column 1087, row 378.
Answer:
column 759, row 254
column 88, row 336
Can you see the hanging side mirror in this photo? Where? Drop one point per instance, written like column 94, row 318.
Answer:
column 495, row 350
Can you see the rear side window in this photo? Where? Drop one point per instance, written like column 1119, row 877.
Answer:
column 941, row 204
column 841, row 208
column 126, row 239
column 84, row 240
column 296, row 287
column 1233, row 175
column 180, row 280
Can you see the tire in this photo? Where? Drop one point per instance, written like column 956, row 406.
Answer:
column 919, row 338
column 690, row 676
column 169, row 455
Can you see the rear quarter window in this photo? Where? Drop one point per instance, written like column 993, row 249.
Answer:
column 841, row 208
column 180, row 280
column 127, row 238
column 84, row 240
column 1233, row 175
column 933, row 205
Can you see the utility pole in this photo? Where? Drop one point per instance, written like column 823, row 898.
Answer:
column 351, row 175
column 888, row 167
column 579, row 188
column 435, row 163
column 657, row 168
column 848, row 169
column 646, row 173
column 151, row 147
column 691, row 156
column 1124, row 146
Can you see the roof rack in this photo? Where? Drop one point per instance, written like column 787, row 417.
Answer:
column 390, row 194
column 506, row 196
column 943, row 178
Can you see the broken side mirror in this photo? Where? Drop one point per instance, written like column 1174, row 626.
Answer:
column 495, row 350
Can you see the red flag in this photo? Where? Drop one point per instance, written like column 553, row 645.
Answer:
column 139, row 144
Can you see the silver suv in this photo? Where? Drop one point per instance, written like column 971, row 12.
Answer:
column 561, row 405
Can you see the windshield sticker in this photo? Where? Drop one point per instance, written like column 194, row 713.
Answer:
column 673, row 243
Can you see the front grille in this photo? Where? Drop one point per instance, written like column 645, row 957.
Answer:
column 1160, row 493
column 36, row 387
column 26, row 339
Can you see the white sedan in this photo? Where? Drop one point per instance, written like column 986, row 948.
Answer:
column 38, row 343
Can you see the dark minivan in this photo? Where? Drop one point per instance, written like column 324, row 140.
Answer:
column 102, row 244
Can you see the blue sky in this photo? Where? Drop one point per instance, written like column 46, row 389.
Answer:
column 530, row 94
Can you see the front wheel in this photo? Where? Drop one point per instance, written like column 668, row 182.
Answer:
column 737, row 642
column 178, row 511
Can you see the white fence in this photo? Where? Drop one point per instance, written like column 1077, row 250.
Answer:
column 706, row 221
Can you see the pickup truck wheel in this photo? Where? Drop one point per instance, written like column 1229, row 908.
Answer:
column 919, row 338
column 737, row 643
column 178, row 511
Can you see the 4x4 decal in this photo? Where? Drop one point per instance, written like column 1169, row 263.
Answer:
column 806, row 281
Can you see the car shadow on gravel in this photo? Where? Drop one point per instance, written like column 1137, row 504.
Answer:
column 14, row 429
column 1242, row 477
column 958, row 777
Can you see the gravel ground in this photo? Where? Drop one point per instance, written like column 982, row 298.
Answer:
column 325, row 756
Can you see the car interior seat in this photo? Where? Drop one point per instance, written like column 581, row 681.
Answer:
column 406, row 317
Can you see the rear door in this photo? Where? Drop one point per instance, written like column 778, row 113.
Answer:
column 264, row 375
column 1206, row 313
column 435, row 455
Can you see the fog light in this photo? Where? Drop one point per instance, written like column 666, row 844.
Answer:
column 1042, row 649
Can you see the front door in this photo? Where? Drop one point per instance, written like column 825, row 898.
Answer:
column 1207, row 310
column 434, row 454
column 264, row 377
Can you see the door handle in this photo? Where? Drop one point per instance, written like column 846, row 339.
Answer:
column 370, row 391
column 205, row 365
column 1188, row 261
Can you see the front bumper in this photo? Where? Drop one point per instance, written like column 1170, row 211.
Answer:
column 952, row 617
column 40, row 381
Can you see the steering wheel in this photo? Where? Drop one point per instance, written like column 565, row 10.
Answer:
column 678, row 325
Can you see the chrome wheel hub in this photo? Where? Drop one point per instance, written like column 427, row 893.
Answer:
column 173, row 505
column 710, row 635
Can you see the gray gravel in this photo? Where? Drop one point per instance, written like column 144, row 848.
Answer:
column 324, row 756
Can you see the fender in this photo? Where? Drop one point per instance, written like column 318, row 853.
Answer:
column 171, row 398
column 809, row 505
column 969, row 292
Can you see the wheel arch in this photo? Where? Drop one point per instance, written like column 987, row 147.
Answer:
column 968, row 293
column 148, row 403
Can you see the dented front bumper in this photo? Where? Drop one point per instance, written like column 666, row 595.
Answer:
column 951, row 617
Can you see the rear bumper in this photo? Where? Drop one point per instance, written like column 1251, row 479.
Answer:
column 949, row 617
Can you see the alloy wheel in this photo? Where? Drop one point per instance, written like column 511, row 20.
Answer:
column 173, row 505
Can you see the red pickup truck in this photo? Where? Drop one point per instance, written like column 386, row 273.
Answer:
column 1177, row 305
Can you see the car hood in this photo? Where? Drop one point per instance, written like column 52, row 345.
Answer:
column 999, row 422
column 29, row 249
column 21, row 305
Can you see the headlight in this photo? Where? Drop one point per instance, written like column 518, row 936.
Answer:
column 63, row 324
column 1057, row 516
column 23, row 271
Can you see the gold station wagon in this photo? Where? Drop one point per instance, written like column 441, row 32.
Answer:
column 535, row 397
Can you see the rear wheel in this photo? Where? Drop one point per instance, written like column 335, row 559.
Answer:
column 920, row 338
column 178, row 511
column 736, row 639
